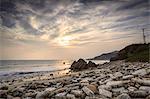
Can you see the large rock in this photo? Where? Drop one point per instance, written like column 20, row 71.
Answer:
column 91, row 64
column 81, row 64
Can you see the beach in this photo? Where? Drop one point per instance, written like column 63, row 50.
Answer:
column 112, row 80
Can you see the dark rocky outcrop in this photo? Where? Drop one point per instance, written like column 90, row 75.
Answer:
column 81, row 64
column 91, row 64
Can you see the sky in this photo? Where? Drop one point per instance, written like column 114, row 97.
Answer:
column 70, row 29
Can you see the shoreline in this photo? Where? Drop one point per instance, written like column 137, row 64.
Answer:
column 90, row 80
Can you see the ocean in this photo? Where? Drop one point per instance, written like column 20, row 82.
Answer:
column 31, row 66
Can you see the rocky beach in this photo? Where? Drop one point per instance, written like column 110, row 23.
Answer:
column 113, row 80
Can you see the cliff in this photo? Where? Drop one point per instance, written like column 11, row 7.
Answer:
column 134, row 52
column 105, row 56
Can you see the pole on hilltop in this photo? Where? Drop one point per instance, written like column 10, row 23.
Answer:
column 144, row 37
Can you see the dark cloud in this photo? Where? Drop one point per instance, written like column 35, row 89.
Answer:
column 8, row 20
column 133, row 4
column 89, row 1
column 8, row 6
column 143, row 14
column 49, row 12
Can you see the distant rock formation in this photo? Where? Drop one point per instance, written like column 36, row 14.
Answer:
column 105, row 56
column 81, row 64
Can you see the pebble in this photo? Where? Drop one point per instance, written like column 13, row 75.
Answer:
column 70, row 96
column 41, row 95
column 138, row 94
column 127, row 77
column 87, row 91
column 61, row 95
column 132, row 88
column 93, row 88
column 115, row 80
column 106, row 87
column 118, row 90
column 140, row 72
column 77, row 93
column 105, row 93
column 116, row 83
column 124, row 96
column 117, row 75
column 145, row 88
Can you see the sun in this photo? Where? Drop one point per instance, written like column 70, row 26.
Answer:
column 65, row 41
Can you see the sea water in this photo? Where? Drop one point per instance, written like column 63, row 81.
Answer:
column 31, row 66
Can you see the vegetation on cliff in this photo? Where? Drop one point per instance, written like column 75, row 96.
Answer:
column 134, row 52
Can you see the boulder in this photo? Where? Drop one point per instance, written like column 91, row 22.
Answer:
column 124, row 96
column 118, row 90
column 94, row 97
column 70, row 96
column 127, row 77
column 132, row 88
column 18, row 92
column 77, row 93
column 4, row 87
column 93, row 88
column 3, row 94
column 106, row 87
column 145, row 88
column 117, row 75
column 140, row 72
column 43, row 94
column 148, row 97
column 91, row 64
column 88, row 91
column 105, row 93
column 79, row 65
column 116, row 84
column 138, row 94
column 141, row 81
column 61, row 95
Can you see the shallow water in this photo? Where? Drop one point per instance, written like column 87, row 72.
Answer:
column 31, row 66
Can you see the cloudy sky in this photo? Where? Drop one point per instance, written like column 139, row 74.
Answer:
column 69, row 29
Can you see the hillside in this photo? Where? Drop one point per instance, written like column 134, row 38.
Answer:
column 134, row 52
column 105, row 56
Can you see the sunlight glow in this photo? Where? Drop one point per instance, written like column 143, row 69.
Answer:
column 65, row 41
column 34, row 23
